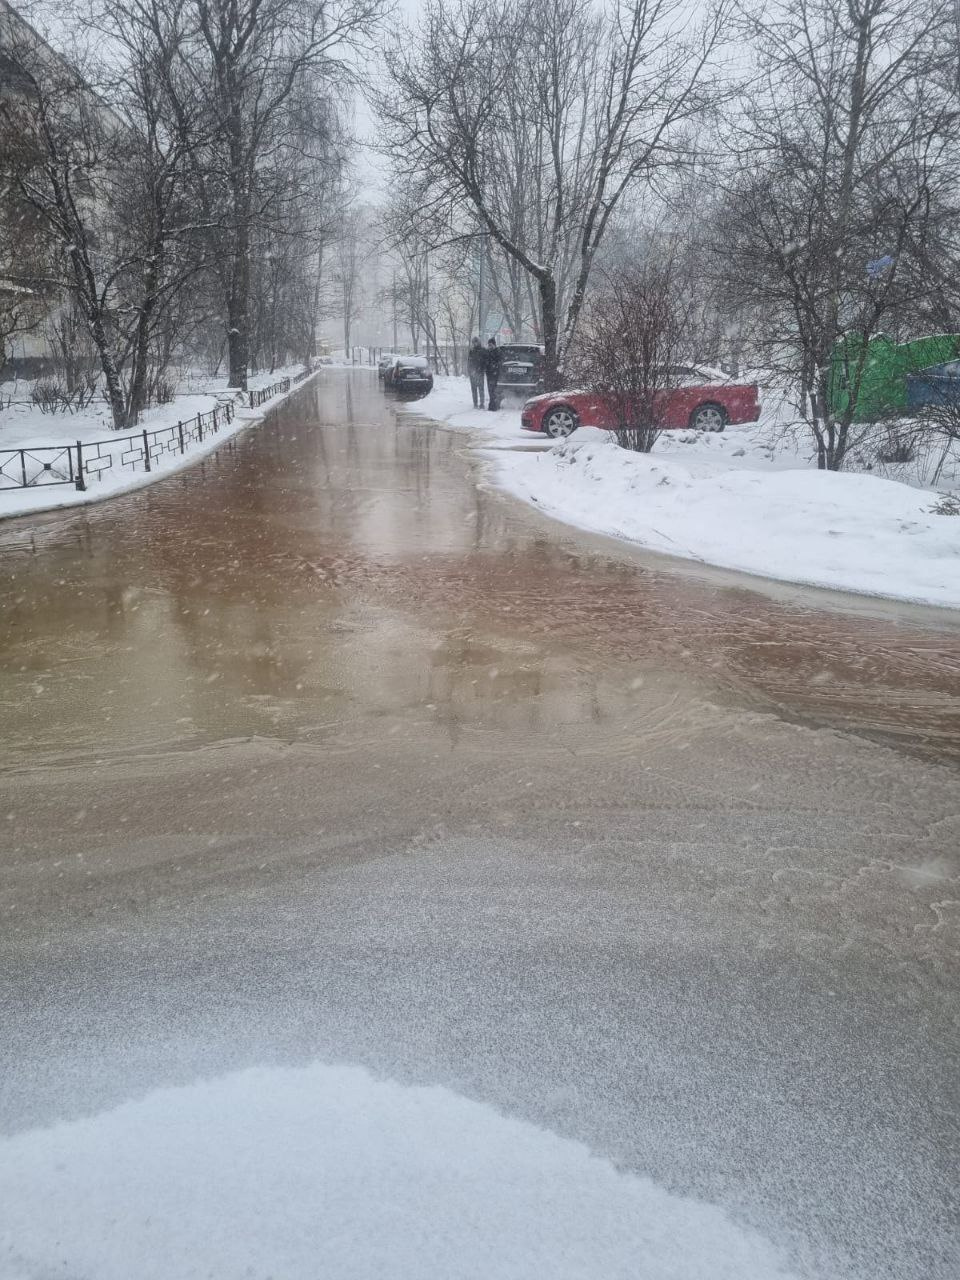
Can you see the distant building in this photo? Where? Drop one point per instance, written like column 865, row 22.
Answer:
column 30, row 297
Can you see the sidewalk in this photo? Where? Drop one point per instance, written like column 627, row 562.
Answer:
column 44, row 447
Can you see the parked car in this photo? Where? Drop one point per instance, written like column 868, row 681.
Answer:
column 936, row 387
column 384, row 363
column 521, row 369
column 698, row 398
column 408, row 375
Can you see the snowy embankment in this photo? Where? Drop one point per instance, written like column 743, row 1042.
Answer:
column 327, row 1171
column 23, row 426
column 747, row 500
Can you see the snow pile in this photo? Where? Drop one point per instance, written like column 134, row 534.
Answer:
column 848, row 531
column 743, row 500
column 325, row 1171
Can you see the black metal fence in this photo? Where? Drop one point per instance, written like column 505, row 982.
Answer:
column 267, row 393
column 37, row 468
column 76, row 464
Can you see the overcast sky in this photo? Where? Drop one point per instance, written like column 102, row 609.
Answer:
column 370, row 167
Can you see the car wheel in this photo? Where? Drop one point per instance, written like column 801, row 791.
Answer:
column 708, row 417
column 560, row 422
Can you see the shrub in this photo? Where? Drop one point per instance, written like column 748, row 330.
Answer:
column 50, row 396
column 164, row 390
column 631, row 338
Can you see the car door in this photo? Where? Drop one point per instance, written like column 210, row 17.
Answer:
column 685, row 393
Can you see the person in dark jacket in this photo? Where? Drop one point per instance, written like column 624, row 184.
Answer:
column 476, row 367
column 493, row 373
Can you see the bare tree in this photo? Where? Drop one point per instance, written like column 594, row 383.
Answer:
column 292, row 257
column 243, row 69
column 24, row 253
column 349, row 252
column 62, row 139
column 103, row 172
column 409, row 237
column 537, row 119
column 848, row 145
column 75, row 356
column 146, row 205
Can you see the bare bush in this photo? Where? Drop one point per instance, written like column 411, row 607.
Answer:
column 631, row 339
column 941, row 424
column 164, row 390
column 50, row 396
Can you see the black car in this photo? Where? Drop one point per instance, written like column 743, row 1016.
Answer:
column 521, row 370
column 409, row 375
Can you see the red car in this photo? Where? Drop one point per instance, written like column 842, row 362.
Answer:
column 700, row 399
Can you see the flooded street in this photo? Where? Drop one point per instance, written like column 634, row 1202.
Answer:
column 322, row 751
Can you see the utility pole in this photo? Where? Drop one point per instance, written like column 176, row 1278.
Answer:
column 480, row 290
column 394, row 312
column 426, row 298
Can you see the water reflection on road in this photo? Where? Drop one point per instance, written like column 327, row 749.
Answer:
column 354, row 568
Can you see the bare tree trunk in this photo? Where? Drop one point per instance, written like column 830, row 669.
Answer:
column 111, row 375
column 548, row 311
column 137, row 394
column 238, row 305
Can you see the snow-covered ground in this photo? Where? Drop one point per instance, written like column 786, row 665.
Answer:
column 327, row 1171
column 749, row 499
column 23, row 426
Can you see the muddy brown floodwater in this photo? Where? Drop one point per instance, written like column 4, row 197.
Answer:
column 323, row 750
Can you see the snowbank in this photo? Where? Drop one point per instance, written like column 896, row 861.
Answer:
column 852, row 532
column 23, row 426
column 743, row 500
column 326, row 1171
